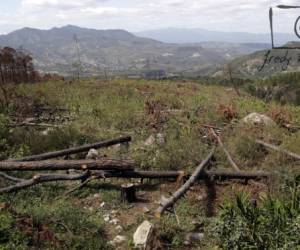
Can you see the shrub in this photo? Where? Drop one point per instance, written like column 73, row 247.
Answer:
column 273, row 224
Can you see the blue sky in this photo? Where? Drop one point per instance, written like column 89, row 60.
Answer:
column 137, row 15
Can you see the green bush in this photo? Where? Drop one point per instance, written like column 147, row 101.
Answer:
column 273, row 224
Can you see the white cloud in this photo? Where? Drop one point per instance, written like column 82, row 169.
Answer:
column 238, row 15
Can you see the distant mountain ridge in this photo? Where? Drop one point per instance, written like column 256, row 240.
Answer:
column 177, row 35
column 119, row 51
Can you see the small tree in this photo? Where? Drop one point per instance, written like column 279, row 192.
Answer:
column 233, row 82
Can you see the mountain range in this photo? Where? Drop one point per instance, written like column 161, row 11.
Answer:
column 121, row 52
column 177, row 35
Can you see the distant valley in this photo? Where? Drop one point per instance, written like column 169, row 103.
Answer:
column 121, row 52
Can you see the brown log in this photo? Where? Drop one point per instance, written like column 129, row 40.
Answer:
column 90, row 175
column 233, row 164
column 38, row 179
column 221, row 175
column 10, row 178
column 268, row 145
column 181, row 191
column 105, row 164
column 75, row 150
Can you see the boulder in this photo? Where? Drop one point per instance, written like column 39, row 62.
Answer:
column 146, row 237
column 258, row 120
column 93, row 154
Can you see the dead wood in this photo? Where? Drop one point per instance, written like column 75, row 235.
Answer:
column 38, row 179
column 75, row 150
column 128, row 193
column 88, row 176
column 10, row 178
column 233, row 164
column 31, row 124
column 53, row 165
column 181, row 191
column 271, row 146
column 218, row 175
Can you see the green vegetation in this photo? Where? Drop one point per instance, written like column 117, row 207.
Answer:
column 173, row 114
column 283, row 88
column 273, row 223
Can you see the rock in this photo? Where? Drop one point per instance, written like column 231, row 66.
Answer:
column 119, row 228
column 258, row 119
column 46, row 131
column 114, row 221
column 106, row 217
column 160, row 138
column 193, row 237
column 146, row 237
column 102, row 205
column 97, row 196
column 118, row 240
column 93, row 154
column 150, row 141
column 146, row 210
column 201, row 197
column 30, row 120
column 114, row 212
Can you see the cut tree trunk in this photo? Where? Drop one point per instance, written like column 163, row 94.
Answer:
column 218, row 175
column 181, row 191
column 106, row 164
column 38, row 179
column 74, row 150
column 268, row 145
column 128, row 193
column 233, row 164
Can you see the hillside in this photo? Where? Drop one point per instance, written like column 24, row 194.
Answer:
column 171, row 124
column 268, row 62
column 118, row 51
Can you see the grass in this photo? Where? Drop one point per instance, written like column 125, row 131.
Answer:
column 102, row 110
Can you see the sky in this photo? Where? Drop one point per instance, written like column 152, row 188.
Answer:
column 138, row 15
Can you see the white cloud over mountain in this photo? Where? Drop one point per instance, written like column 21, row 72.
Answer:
column 227, row 15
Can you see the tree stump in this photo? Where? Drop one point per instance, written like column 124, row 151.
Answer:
column 128, row 193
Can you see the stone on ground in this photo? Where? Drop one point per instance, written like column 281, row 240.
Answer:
column 258, row 120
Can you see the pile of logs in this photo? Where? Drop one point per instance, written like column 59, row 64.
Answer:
column 87, row 170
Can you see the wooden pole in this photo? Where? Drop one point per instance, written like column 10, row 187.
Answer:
column 106, row 164
column 181, row 191
column 75, row 150
column 267, row 145
column 38, row 179
column 221, row 175
column 233, row 164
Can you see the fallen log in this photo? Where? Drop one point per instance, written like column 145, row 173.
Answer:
column 53, row 165
column 38, row 179
column 10, row 178
column 32, row 124
column 181, row 191
column 75, row 150
column 233, row 164
column 87, row 176
column 220, row 175
column 271, row 146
